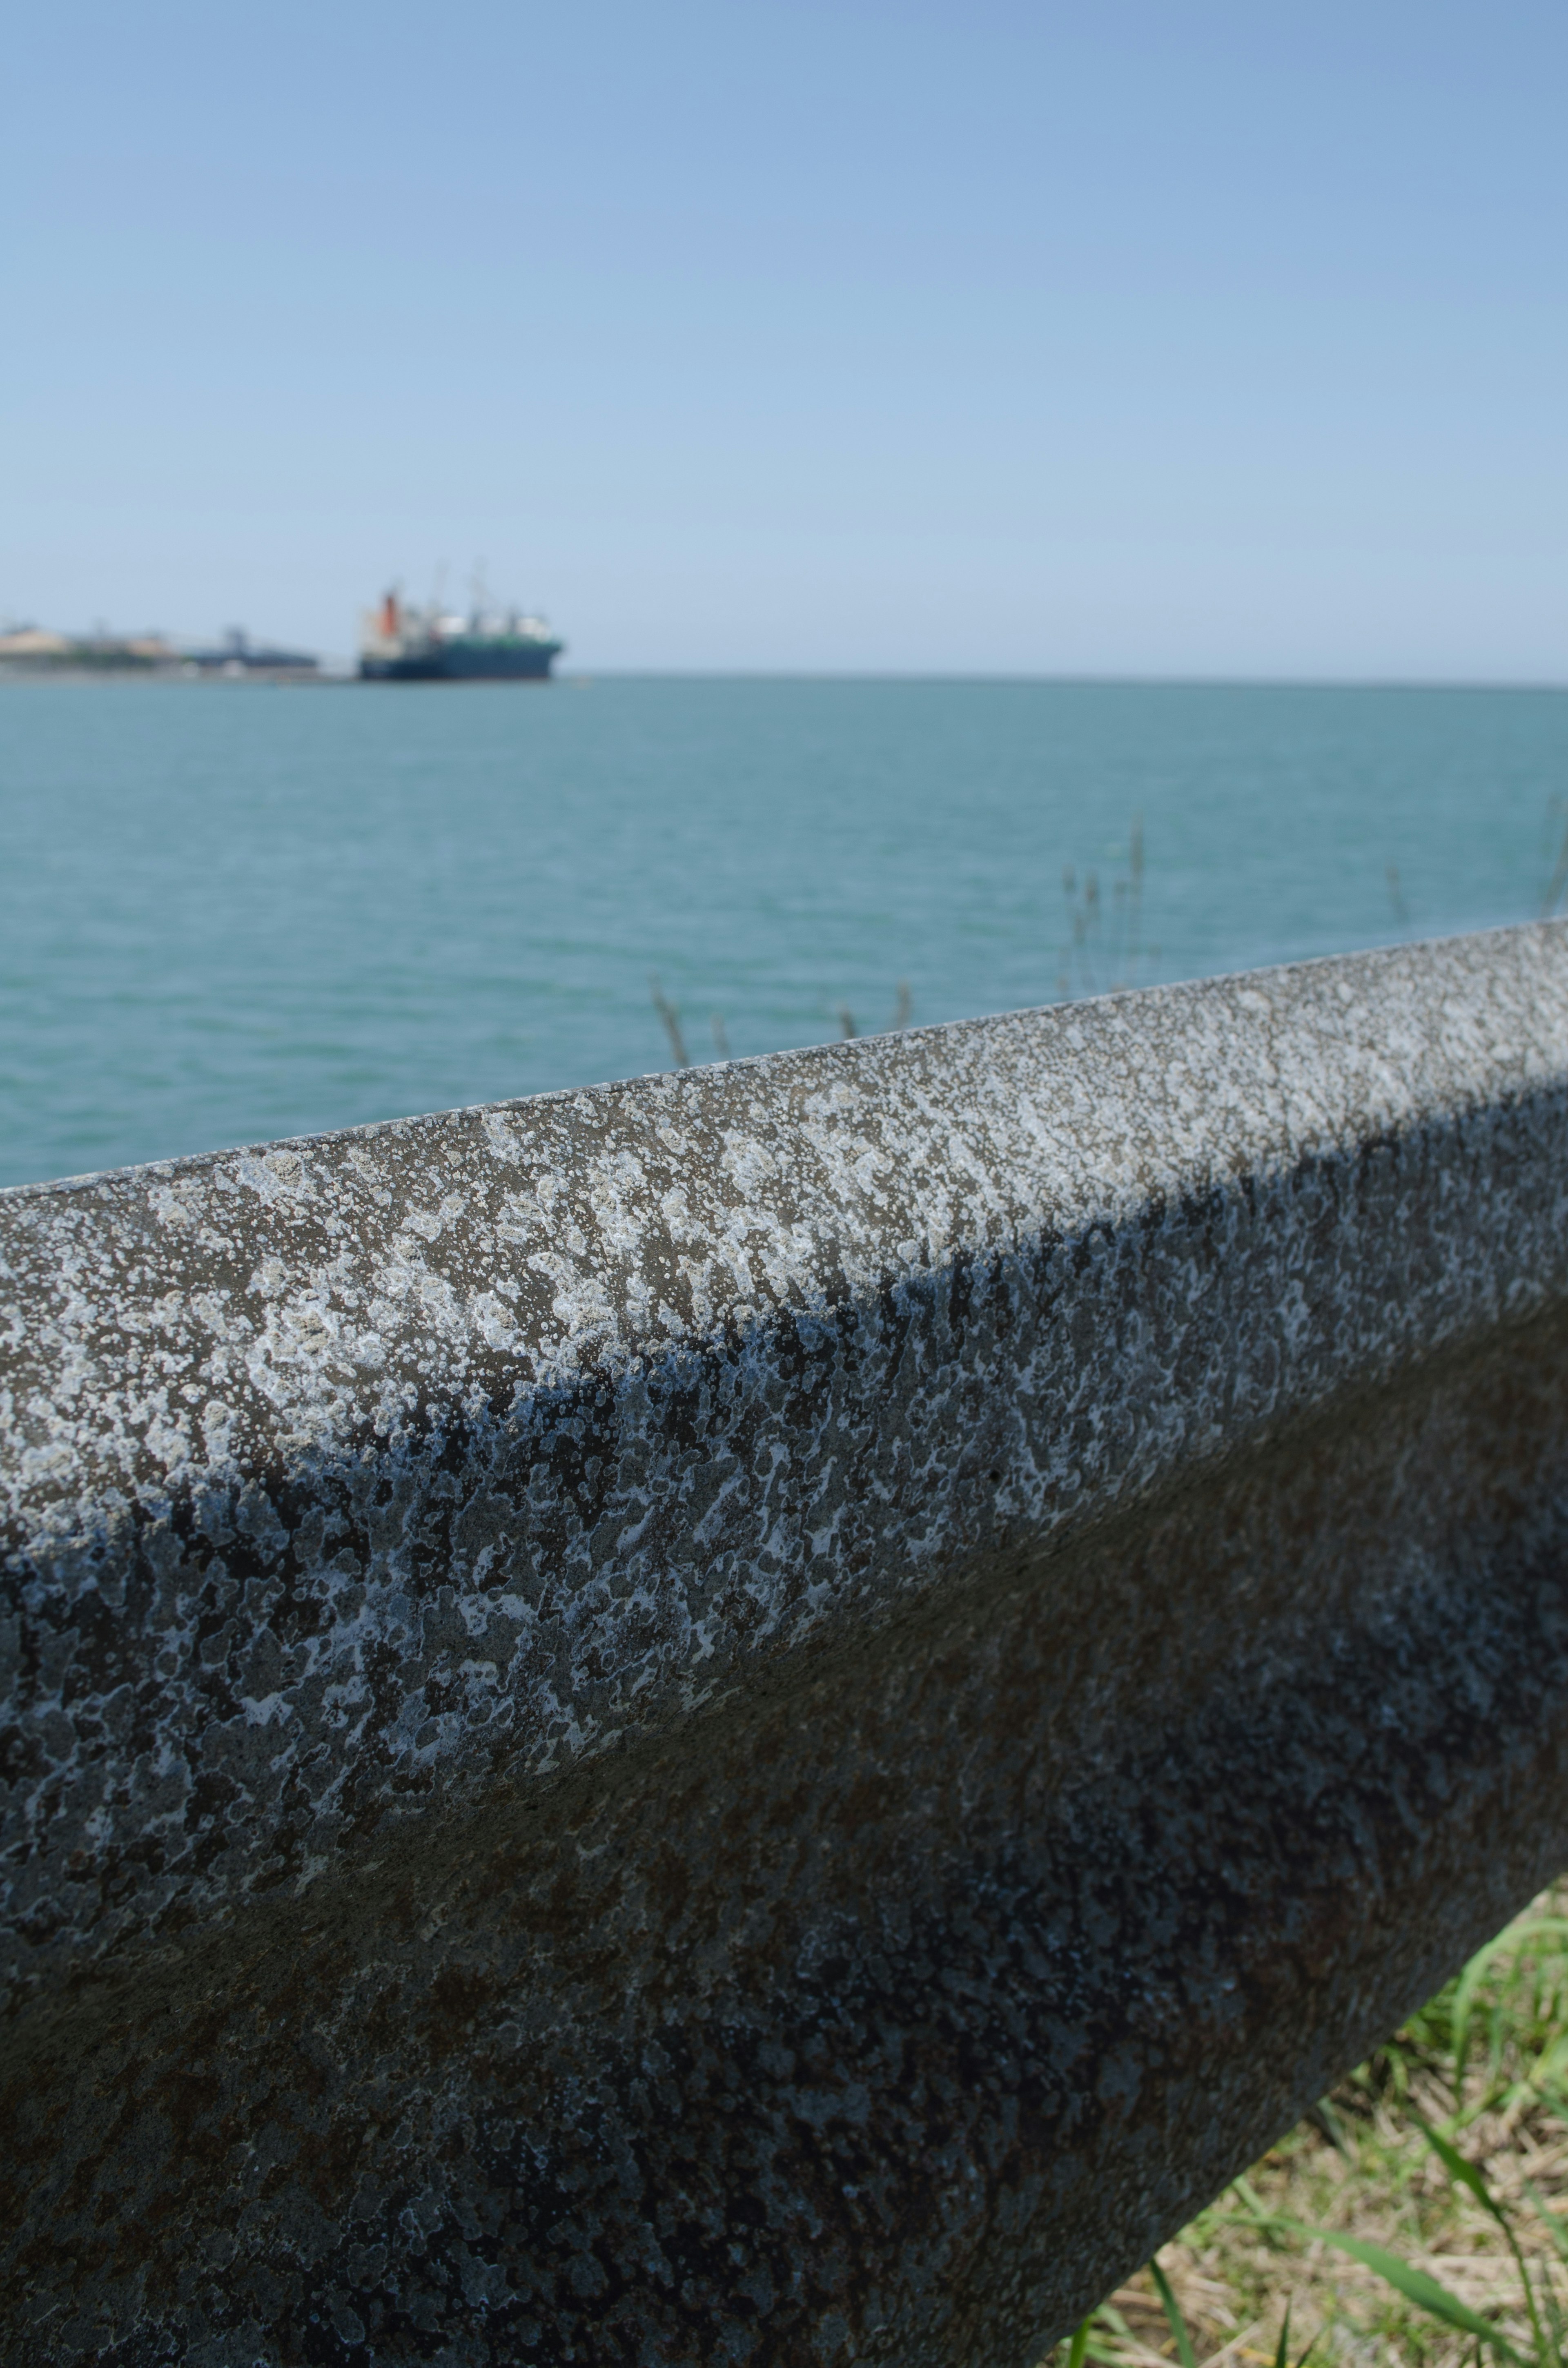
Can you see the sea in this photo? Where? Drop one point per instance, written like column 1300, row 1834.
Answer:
column 235, row 911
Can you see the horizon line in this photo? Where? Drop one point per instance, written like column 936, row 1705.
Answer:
column 1077, row 679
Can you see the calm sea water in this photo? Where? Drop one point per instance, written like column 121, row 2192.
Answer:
column 229, row 912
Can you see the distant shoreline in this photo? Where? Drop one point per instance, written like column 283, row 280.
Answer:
column 18, row 671
column 22, row 670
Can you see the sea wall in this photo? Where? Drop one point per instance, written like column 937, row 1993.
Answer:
column 771, row 1715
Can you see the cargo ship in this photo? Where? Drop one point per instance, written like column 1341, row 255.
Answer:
column 403, row 643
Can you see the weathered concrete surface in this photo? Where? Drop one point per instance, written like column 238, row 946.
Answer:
column 771, row 1715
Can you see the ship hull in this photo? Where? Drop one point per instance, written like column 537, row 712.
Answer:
column 466, row 662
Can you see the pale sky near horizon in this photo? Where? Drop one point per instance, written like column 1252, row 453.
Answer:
column 1132, row 338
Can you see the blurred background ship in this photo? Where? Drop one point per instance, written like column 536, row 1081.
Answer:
column 403, row 643
column 400, row 642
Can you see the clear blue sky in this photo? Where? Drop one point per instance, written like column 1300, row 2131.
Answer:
column 1135, row 336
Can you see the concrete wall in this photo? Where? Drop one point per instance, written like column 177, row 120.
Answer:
column 771, row 1715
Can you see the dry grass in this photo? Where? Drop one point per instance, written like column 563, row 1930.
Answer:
column 1486, row 2066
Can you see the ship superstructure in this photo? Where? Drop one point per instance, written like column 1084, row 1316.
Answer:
column 403, row 643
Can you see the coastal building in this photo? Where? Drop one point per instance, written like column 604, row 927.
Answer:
column 237, row 656
column 37, row 649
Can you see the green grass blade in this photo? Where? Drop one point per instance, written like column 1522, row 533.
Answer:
column 1414, row 2285
column 1475, row 1973
column 1080, row 2342
column 1185, row 2352
column 1469, row 2176
column 1455, row 2164
column 1556, row 2227
column 1282, row 2349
